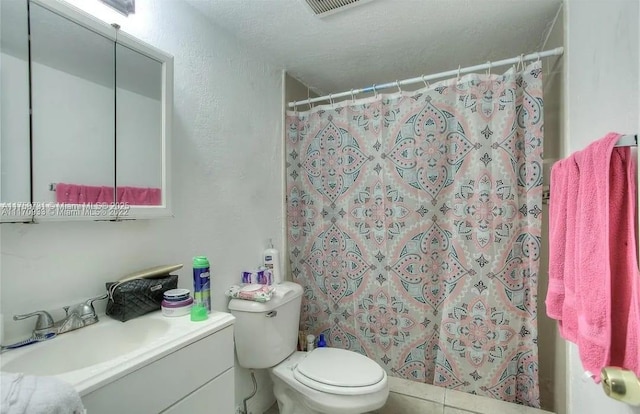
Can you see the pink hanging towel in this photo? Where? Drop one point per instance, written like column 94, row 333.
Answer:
column 140, row 196
column 594, row 278
column 557, row 239
column 106, row 195
column 83, row 194
column 67, row 193
column 154, row 197
column 561, row 296
column 93, row 193
column 625, row 278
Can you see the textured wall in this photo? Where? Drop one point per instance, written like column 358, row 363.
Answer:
column 227, row 182
column 601, row 90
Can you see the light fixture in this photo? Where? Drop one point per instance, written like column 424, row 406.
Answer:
column 125, row 7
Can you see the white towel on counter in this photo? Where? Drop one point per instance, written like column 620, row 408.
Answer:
column 255, row 292
column 29, row 394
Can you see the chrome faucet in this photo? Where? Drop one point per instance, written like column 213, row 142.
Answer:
column 76, row 316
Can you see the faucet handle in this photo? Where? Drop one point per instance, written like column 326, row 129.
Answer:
column 45, row 321
column 87, row 309
column 90, row 301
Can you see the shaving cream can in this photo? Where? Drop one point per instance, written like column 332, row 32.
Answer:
column 201, row 283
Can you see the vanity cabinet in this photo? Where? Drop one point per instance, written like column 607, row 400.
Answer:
column 196, row 379
column 211, row 397
column 86, row 118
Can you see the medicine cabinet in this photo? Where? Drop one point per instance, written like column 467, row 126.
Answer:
column 86, row 118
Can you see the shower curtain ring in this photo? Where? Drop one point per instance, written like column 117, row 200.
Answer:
column 521, row 63
column 375, row 93
column 309, row 98
column 398, row 85
column 489, row 67
column 538, row 56
column 331, row 98
column 353, row 97
column 426, row 84
column 458, row 78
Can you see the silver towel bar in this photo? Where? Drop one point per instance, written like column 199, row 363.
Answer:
column 627, row 141
column 624, row 141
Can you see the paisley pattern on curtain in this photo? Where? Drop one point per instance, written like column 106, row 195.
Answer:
column 414, row 226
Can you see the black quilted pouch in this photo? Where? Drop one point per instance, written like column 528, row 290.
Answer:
column 133, row 298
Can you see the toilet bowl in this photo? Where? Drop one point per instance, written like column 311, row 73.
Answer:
column 325, row 380
column 329, row 380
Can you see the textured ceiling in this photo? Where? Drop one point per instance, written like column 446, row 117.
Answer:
column 382, row 40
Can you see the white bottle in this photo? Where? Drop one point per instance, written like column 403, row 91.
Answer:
column 310, row 342
column 272, row 262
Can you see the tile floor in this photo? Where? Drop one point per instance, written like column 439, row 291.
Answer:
column 408, row 397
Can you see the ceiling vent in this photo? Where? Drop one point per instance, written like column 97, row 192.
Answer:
column 322, row 8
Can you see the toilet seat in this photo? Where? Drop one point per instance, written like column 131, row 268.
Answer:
column 338, row 371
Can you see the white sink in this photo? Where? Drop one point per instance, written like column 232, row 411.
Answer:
column 87, row 346
column 91, row 357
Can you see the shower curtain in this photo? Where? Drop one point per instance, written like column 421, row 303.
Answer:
column 414, row 225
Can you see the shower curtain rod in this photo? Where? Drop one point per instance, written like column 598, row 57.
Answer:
column 397, row 84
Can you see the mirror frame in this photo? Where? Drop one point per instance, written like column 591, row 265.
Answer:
column 28, row 211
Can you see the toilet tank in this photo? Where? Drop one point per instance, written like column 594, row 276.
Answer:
column 267, row 333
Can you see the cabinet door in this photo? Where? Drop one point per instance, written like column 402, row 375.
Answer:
column 15, row 174
column 163, row 383
column 139, row 149
column 216, row 396
column 73, row 120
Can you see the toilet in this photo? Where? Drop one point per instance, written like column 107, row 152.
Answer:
column 323, row 381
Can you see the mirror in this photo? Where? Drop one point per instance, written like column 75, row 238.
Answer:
column 73, row 124
column 15, row 181
column 95, row 147
column 139, row 128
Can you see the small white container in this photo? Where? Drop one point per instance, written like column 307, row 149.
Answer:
column 176, row 308
column 310, row 342
column 176, row 295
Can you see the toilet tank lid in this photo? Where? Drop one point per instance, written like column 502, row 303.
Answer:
column 283, row 293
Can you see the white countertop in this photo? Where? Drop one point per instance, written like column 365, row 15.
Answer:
column 179, row 333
